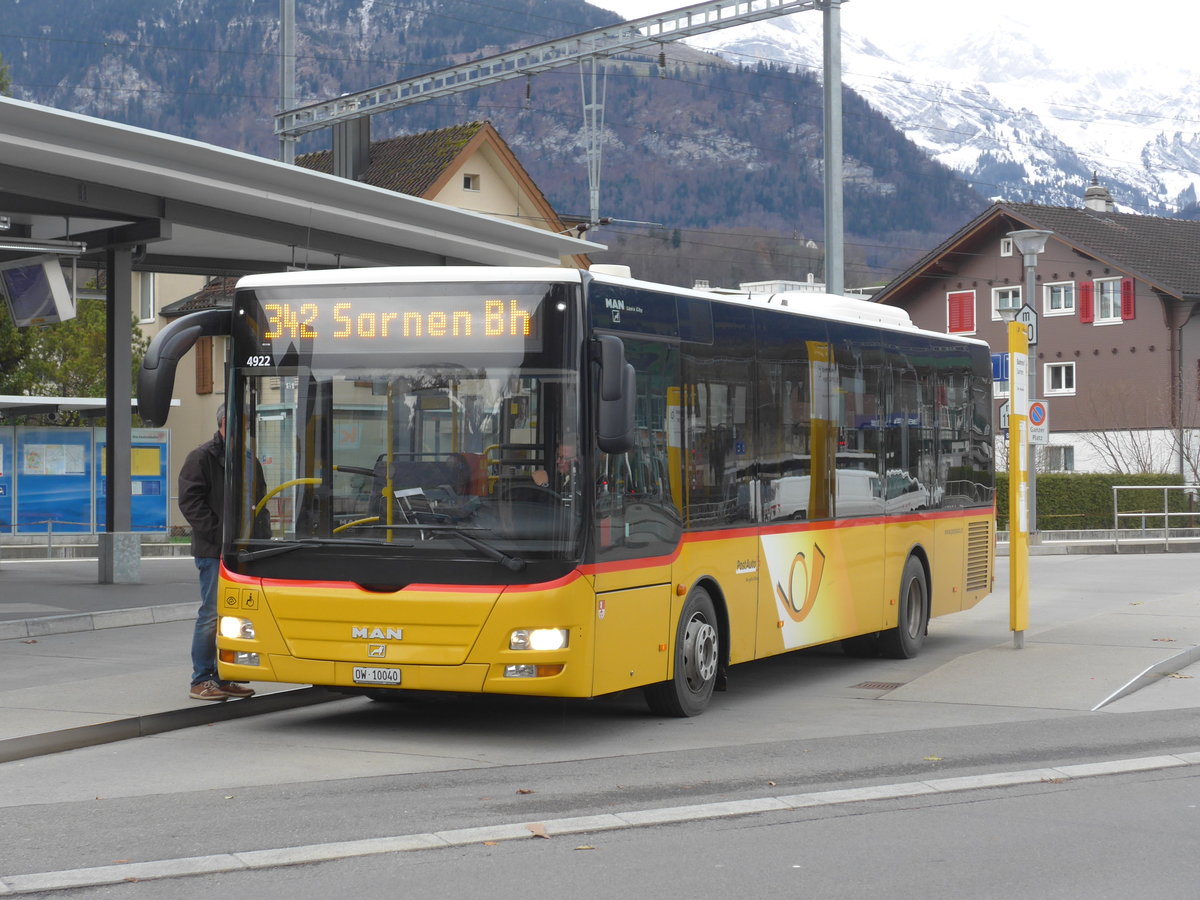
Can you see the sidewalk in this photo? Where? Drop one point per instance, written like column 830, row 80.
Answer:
column 57, row 596
column 84, row 664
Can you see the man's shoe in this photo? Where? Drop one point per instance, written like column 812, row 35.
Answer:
column 233, row 689
column 208, row 690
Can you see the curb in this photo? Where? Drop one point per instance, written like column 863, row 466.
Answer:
column 69, row 623
column 1152, row 674
column 157, row 723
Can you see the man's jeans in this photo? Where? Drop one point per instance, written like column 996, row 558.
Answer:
column 204, row 640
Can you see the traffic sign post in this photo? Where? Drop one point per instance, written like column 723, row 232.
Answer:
column 1018, row 486
column 1022, row 336
column 1039, row 422
column 1028, row 317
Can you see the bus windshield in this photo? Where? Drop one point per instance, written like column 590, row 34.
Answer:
column 414, row 447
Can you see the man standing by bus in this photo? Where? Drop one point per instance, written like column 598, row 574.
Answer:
column 201, row 500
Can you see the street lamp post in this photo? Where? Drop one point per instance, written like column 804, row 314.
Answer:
column 1029, row 243
column 1022, row 477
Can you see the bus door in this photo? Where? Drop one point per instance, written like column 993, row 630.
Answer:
column 636, row 532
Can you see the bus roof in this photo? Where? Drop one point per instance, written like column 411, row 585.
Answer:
column 826, row 306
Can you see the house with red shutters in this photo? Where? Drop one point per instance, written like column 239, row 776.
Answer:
column 1118, row 352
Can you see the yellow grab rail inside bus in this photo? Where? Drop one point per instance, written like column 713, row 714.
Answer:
column 365, row 521
column 275, row 490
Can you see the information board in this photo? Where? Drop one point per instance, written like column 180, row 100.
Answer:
column 7, row 436
column 148, row 487
column 53, row 480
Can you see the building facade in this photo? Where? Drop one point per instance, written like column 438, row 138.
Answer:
column 1118, row 352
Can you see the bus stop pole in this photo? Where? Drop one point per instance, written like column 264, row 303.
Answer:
column 1018, row 483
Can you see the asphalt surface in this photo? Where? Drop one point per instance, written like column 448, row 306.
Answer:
column 83, row 663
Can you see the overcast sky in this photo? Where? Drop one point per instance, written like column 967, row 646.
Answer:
column 1117, row 27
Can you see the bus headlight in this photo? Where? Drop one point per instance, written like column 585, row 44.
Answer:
column 538, row 639
column 233, row 627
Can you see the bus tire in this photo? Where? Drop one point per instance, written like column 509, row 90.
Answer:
column 905, row 640
column 697, row 661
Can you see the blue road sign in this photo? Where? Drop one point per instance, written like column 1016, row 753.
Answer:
column 999, row 367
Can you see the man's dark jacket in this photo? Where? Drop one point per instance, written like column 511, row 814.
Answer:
column 202, row 495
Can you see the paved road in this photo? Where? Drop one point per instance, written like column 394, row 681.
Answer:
column 970, row 706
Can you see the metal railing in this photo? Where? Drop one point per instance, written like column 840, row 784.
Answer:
column 1166, row 514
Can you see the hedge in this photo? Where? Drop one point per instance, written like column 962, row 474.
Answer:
column 1067, row 502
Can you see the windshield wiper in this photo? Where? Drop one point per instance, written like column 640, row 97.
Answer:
column 275, row 550
column 512, row 563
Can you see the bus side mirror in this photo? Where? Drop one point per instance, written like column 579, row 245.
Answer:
column 156, row 378
column 615, row 424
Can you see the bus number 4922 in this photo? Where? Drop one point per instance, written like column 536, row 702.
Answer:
column 259, row 361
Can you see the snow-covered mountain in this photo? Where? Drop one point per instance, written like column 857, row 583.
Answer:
column 1021, row 117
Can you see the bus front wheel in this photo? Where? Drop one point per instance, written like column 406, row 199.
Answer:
column 905, row 640
column 697, row 661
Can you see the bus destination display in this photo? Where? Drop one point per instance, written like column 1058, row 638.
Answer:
column 369, row 324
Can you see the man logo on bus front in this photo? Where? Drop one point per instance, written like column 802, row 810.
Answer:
column 376, row 633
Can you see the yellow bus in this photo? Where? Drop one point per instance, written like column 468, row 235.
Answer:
column 565, row 483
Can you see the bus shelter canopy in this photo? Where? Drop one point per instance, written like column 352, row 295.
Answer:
column 126, row 199
column 200, row 209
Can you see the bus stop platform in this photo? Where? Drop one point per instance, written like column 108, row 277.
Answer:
column 83, row 664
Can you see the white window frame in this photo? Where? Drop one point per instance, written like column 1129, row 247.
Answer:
column 1047, row 381
column 1015, row 289
column 1047, row 289
column 1006, row 246
column 1051, row 451
column 147, row 299
column 471, row 183
column 1114, row 316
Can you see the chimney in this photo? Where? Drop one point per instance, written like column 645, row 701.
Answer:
column 1097, row 197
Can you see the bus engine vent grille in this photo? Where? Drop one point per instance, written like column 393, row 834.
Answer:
column 979, row 539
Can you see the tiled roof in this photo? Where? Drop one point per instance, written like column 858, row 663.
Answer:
column 409, row 164
column 218, row 293
column 1160, row 250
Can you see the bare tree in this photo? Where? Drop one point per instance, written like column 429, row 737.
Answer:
column 1185, row 441
column 1139, row 445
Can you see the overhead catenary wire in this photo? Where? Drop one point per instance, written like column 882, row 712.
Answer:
column 630, row 125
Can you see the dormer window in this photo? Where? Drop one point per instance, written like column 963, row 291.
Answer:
column 470, row 182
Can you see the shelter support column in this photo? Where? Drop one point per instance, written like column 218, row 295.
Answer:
column 119, row 548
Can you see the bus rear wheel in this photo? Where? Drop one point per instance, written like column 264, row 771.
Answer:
column 905, row 640
column 697, row 661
